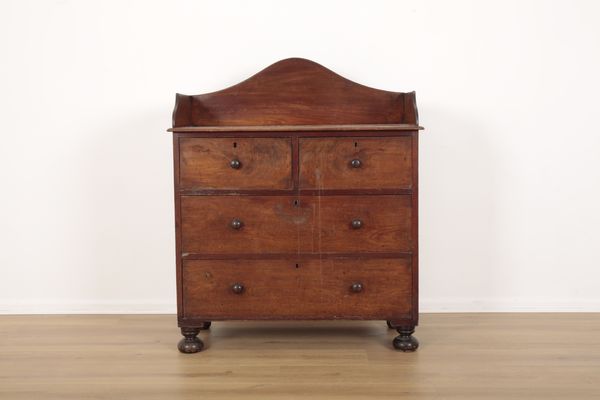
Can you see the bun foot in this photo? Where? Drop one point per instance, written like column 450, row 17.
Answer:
column 405, row 341
column 205, row 325
column 389, row 324
column 190, row 343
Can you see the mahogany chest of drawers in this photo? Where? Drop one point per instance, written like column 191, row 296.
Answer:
column 296, row 199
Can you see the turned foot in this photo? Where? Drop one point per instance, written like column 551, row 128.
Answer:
column 190, row 343
column 405, row 341
column 389, row 324
column 205, row 325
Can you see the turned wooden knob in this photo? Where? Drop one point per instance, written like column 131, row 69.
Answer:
column 237, row 288
column 356, row 224
column 356, row 287
column 235, row 164
column 355, row 163
column 236, row 224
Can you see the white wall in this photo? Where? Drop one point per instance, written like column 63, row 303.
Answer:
column 510, row 158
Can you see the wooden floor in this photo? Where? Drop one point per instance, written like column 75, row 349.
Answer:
column 462, row 356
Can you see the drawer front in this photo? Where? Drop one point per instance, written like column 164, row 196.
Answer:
column 235, row 163
column 309, row 289
column 356, row 163
column 295, row 224
column 385, row 223
column 268, row 224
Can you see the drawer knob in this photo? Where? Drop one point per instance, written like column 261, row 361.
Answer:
column 356, row 287
column 235, row 164
column 356, row 224
column 237, row 224
column 237, row 288
column 355, row 163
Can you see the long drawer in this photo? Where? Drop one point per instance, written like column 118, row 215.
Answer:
column 297, row 289
column 296, row 224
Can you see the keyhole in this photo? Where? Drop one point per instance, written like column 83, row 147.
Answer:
column 234, row 144
column 297, row 266
column 296, row 202
column 355, row 144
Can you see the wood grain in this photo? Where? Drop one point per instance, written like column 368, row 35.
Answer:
column 386, row 223
column 271, row 224
column 266, row 163
column 494, row 356
column 307, row 289
column 385, row 163
column 295, row 224
column 295, row 91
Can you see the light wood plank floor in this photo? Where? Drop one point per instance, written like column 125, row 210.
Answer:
column 462, row 356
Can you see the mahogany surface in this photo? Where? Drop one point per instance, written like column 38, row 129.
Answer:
column 296, row 197
column 264, row 163
column 295, row 224
column 308, row 289
column 384, row 163
column 295, row 91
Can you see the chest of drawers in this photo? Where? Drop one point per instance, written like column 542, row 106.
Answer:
column 296, row 199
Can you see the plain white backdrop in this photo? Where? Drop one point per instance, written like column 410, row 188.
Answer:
column 510, row 158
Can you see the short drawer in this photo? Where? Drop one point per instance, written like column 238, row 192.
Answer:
column 363, row 224
column 235, row 163
column 296, row 224
column 297, row 289
column 243, row 224
column 356, row 163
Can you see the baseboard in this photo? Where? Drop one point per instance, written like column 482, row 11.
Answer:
column 164, row 307
column 88, row 307
column 508, row 305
